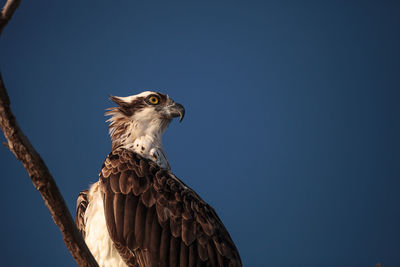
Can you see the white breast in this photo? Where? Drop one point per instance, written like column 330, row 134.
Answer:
column 97, row 237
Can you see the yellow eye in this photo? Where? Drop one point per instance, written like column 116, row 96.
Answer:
column 153, row 100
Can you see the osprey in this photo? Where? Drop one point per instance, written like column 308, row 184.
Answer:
column 139, row 213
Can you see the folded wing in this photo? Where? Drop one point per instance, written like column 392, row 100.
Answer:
column 154, row 219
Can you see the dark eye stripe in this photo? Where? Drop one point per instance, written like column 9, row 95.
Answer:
column 162, row 97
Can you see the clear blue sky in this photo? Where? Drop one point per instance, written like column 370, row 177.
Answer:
column 291, row 132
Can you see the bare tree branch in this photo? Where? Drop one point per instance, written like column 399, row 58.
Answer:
column 7, row 11
column 19, row 144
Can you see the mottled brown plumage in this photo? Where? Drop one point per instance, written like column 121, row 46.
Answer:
column 154, row 219
column 81, row 205
column 139, row 213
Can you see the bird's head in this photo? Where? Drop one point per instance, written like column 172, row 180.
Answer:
column 148, row 113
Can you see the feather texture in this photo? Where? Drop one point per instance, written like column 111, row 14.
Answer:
column 81, row 205
column 157, row 218
column 139, row 214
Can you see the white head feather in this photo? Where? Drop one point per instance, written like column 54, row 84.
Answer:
column 137, row 124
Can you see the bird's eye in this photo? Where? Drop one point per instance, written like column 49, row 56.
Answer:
column 153, row 100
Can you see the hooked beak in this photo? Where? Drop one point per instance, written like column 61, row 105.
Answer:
column 176, row 110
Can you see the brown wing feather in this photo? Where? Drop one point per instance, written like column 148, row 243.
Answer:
column 155, row 216
column 81, row 205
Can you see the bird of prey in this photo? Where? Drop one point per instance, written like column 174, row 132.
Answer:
column 139, row 213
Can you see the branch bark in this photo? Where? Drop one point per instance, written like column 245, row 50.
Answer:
column 19, row 144
column 7, row 11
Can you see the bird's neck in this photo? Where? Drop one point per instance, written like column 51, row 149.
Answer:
column 145, row 140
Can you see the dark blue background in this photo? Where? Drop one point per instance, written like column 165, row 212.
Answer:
column 291, row 132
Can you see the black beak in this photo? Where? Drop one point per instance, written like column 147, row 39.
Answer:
column 177, row 110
